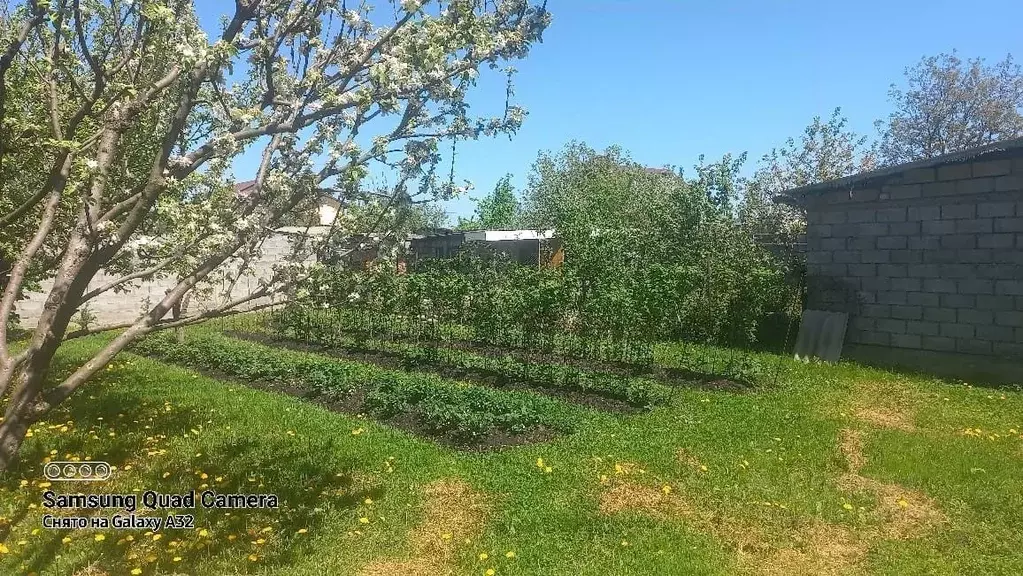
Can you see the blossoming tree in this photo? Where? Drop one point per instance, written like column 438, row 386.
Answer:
column 122, row 121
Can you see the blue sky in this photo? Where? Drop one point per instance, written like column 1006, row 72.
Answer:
column 670, row 80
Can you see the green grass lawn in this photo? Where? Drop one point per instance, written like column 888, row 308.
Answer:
column 836, row 470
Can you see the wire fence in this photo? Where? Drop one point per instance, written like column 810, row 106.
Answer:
column 761, row 363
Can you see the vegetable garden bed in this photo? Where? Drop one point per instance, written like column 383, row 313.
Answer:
column 606, row 392
column 338, row 331
column 454, row 414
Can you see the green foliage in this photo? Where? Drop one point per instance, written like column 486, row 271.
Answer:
column 322, row 328
column 825, row 151
column 499, row 210
column 442, row 406
column 652, row 254
column 948, row 104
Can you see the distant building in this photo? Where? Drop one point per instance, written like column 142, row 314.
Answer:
column 326, row 211
column 528, row 247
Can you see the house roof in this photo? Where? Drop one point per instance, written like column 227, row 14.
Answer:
column 856, row 180
column 492, row 235
column 662, row 171
column 244, row 189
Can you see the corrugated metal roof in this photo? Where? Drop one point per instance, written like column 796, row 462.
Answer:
column 881, row 173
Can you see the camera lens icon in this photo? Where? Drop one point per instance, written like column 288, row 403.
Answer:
column 90, row 471
column 52, row 471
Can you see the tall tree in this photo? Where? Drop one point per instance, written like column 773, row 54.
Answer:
column 498, row 210
column 123, row 119
column 948, row 104
column 827, row 150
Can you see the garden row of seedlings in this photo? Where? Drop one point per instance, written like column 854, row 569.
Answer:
column 470, row 417
column 699, row 366
column 595, row 390
column 549, row 340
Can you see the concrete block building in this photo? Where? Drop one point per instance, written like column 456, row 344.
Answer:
column 927, row 257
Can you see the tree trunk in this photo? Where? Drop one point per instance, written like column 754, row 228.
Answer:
column 12, row 434
column 22, row 410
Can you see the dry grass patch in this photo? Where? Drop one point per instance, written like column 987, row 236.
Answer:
column 886, row 417
column 821, row 549
column 850, row 442
column 91, row 570
column 689, row 459
column 453, row 511
column 884, row 405
column 902, row 512
column 632, row 497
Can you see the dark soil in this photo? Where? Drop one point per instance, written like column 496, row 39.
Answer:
column 491, row 379
column 675, row 377
column 353, row 404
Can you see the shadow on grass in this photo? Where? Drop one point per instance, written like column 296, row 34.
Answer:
column 981, row 371
column 172, row 449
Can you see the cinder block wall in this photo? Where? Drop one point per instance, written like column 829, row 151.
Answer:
column 931, row 259
column 116, row 307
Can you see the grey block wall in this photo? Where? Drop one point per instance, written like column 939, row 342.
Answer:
column 931, row 259
column 112, row 307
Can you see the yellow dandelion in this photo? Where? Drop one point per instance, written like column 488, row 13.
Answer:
column 368, row 501
column 136, row 571
column 903, row 503
column 157, row 537
column 166, row 474
column 4, row 549
column 267, row 529
column 445, row 536
column 539, row 463
column 484, row 555
column 66, row 540
column 666, row 489
column 260, row 542
column 301, row 531
column 847, row 506
column 490, row 572
column 204, row 533
column 509, row 554
column 99, row 537
column 176, row 559
column 253, row 557
column 231, row 537
column 547, row 470
column 363, row 520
